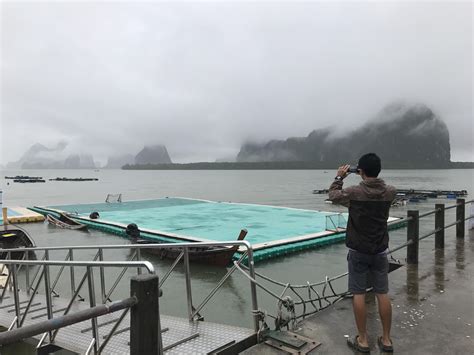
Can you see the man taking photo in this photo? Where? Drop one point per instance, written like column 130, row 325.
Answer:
column 367, row 240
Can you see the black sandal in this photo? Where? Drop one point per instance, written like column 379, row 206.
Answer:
column 385, row 348
column 354, row 344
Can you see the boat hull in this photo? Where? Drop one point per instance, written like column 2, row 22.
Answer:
column 13, row 237
column 65, row 222
column 210, row 256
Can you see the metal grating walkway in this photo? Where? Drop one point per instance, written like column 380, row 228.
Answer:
column 179, row 335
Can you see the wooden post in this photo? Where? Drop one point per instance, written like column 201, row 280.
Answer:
column 460, row 215
column 439, row 226
column 145, row 329
column 413, row 230
column 4, row 216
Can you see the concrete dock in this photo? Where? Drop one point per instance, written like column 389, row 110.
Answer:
column 433, row 308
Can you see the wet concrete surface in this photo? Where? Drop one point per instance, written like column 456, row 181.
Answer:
column 433, row 308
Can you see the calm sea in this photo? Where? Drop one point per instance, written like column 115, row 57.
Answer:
column 292, row 188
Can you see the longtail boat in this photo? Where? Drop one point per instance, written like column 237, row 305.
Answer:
column 218, row 255
column 64, row 221
column 15, row 237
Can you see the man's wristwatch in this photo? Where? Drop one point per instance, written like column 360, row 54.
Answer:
column 338, row 178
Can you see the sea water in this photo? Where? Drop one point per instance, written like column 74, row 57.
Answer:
column 290, row 188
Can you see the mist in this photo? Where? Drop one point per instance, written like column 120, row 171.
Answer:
column 204, row 77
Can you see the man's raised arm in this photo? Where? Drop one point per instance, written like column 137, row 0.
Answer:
column 337, row 194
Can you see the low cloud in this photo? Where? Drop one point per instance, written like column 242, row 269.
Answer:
column 204, row 77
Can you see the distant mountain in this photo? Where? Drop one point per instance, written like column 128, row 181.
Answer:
column 116, row 162
column 156, row 154
column 401, row 134
column 39, row 156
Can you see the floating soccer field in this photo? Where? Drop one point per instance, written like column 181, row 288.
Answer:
column 272, row 230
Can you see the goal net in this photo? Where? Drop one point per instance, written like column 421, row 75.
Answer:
column 336, row 222
column 114, row 198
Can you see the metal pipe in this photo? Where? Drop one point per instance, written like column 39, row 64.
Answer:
column 47, row 290
column 429, row 234
column 27, row 274
column 242, row 243
column 220, row 283
column 112, row 289
column 187, row 275
column 63, row 321
column 112, row 331
column 16, row 296
column 139, row 271
column 40, row 343
column 73, row 298
column 58, row 276
column 95, row 329
column 71, row 272
column 37, row 272
column 428, row 213
column 102, row 276
column 145, row 264
column 35, row 290
column 168, row 273
column 5, row 287
column 90, row 347
column 253, row 289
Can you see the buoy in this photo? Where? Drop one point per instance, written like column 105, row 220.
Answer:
column 94, row 215
column 132, row 231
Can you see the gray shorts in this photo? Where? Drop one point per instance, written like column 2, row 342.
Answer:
column 367, row 271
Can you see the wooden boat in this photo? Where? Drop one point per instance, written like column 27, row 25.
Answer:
column 65, row 222
column 219, row 255
column 15, row 237
column 24, row 177
column 73, row 179
column 28, row 181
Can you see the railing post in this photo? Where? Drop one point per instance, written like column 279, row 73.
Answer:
column 95, row 329
column 253, row 290
column 439, row 226
column 145, row 329
column 47, row 290
column 102, row 277
column 16, row 296
column 71, row 272
column 27, row 273
column 139, row 257
column 413, row 230
column 187, row 275
column 460, row 215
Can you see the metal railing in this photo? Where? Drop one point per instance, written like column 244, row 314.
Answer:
column 193, row 312
column 145, row 332
column 314, row 301
column 413, row 227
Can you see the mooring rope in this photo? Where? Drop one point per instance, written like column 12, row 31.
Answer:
column 287, row 315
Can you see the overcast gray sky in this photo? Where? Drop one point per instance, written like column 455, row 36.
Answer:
column 203, row 77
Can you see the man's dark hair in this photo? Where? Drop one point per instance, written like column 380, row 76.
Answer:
column 370, row 164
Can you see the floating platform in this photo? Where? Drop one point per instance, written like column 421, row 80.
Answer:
column 272, row 231
column 22, row 215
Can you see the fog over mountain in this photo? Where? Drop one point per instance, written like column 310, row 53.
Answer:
column 203, row 78
column 402, row 134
